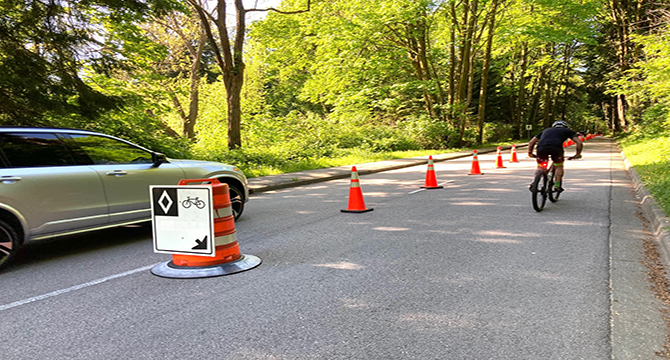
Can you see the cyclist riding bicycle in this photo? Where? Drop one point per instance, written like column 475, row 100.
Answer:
column 550, row 143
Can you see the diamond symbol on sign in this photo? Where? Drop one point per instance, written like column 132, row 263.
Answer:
column 165, row 202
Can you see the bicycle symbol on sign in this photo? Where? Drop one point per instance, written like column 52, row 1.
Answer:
column 193, row 201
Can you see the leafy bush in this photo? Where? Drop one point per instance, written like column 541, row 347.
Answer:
column 428, row 133
column 498, row 132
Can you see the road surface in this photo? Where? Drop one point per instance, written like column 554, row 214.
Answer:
column 469, row 271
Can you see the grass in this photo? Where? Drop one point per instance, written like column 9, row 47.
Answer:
column 344, row 157
column 651, row 158
column 350, row 157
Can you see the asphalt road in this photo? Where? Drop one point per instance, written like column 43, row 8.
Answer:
column 470, row 271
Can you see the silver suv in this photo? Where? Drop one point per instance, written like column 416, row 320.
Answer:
column 57, row 182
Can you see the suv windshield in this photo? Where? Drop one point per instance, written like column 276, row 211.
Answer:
column 103, row 150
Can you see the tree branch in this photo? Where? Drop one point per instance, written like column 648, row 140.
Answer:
column 282, row 11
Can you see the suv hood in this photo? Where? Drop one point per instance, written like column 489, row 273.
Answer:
column 209, row 165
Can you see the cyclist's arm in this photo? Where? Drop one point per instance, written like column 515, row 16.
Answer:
column 531, row 145
column 579, row 144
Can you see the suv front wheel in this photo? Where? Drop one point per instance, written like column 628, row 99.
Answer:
column 236, row 200
column 9, row 242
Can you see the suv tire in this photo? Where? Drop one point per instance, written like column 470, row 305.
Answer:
column 9, row 242
column 236, row 200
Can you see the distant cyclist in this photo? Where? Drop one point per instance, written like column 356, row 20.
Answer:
column 550, row 143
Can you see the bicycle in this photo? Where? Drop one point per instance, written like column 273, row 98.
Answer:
column 543, row 185
column 195, row 201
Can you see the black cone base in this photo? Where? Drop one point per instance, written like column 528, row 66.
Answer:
column 170, row 270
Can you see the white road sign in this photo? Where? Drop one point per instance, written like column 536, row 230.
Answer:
column 182, row 218
column 529, row 127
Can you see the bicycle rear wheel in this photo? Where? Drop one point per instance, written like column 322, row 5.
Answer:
column 553, row 193
column 539, row 191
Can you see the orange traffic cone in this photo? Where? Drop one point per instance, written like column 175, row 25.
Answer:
column 431, row 179
column 227, row 258
column 475, row 170
column 356, row 202
column 514, row 157
column 499, row 160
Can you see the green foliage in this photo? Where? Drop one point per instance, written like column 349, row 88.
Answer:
column 44, row 46
column 279, row 143
column 139, row 121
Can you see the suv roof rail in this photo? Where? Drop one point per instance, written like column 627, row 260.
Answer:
column 40, row 128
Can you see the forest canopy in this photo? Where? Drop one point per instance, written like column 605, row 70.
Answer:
column 312, row 78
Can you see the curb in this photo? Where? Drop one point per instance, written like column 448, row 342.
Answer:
column 658, row 219
column 282, row 181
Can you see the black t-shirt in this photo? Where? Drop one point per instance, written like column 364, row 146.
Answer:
column 554, row 137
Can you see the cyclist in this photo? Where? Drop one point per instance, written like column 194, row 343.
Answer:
column 550, row 143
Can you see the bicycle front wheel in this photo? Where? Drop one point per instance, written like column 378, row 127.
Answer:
column 539, row 191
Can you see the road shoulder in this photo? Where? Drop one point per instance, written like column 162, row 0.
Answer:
column 638, row 327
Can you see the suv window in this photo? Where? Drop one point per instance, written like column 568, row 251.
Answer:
column 34, row 149
column 104, row 150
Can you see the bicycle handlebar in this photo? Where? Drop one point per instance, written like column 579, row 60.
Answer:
column 575, row 157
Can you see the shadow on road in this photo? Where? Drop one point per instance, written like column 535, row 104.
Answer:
column 49, row 249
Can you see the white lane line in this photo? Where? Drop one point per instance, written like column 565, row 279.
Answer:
column 416, row 191
column 73, row 288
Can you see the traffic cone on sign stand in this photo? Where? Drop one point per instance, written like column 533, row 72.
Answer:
column 499, row 160
column 514, row 159
column 475, row 170
column 431, row 179
column 227, row 259
column 356, row 202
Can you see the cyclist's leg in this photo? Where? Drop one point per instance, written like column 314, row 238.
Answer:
column 558, row 158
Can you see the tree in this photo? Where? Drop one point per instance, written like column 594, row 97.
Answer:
column 44, row 46
column 229, row 55
column 481, row 111
column 185, row 40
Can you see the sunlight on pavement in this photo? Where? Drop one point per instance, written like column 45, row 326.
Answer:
column 505, row 233
column 390, row 229
column 499, row 241
column 342, row 265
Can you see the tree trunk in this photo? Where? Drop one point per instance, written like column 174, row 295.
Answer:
column 538, row 91
column 621, row 105
column 548, row 99
column 469, row 20
column 233, row 97
column 481, row 112
column 565, row 79
column 416, row 36
column 452, row 55
column 190, row 121
column 229, row 56
column 521, row 98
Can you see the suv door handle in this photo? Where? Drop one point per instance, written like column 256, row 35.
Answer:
column 9, row 179
column 117, row 173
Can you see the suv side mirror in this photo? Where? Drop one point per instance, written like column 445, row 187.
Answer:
column 158, row 159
